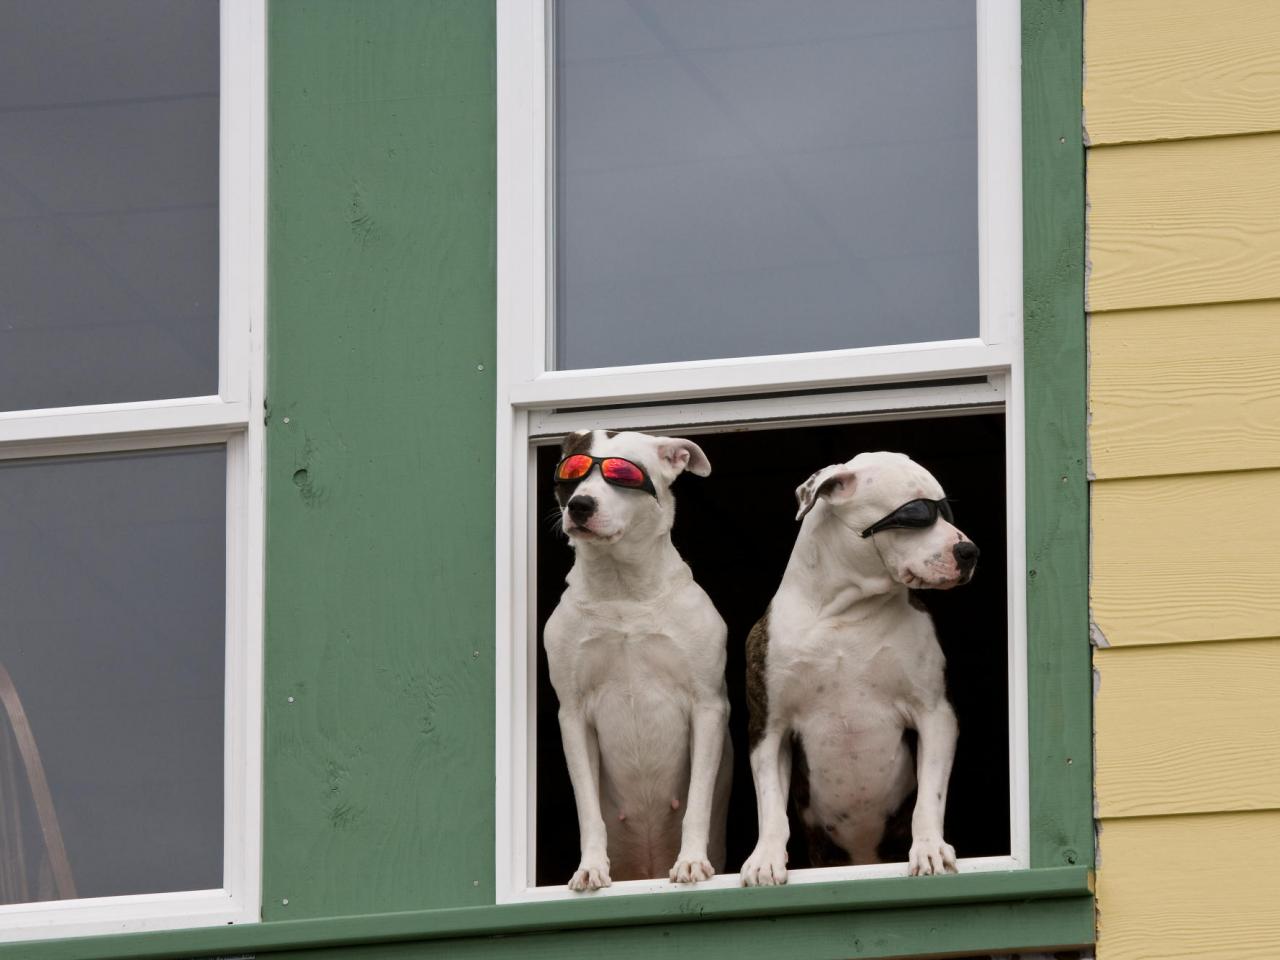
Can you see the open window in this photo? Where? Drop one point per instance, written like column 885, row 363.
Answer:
column 794, row 232
column 131, row 145
column 735, row 531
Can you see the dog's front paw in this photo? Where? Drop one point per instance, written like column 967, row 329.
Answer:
column 592, row 874
column 931, row 855
column 691, row 869
column 766, row 867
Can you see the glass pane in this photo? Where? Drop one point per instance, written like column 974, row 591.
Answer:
column 112, row 583
column 108, row 201
column 750, row 177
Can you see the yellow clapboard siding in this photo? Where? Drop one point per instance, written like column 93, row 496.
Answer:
column 1188, row 729
column 1164, row 69
column 1186, row 558
column 1200, row 887
column 1194, row 221
column 1183, row 390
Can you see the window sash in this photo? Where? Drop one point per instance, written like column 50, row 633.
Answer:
column 526, row 245
column 227, row 418
column 536, row 403
column 809, row 409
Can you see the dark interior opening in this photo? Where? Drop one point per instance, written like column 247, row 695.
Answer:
column 735, row 529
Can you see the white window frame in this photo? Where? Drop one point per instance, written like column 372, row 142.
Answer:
column 537, row 405
column 232, row 417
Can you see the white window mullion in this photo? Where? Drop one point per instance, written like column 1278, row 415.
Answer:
column 1016, row 592
column 241, row 144
column 523, row 190
column 118, row 426
column 1000, row 170
column 242, row 722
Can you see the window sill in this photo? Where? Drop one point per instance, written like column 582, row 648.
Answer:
column 898, row 916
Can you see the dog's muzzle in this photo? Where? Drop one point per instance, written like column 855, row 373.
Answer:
column 581, row 508
column 966, row 553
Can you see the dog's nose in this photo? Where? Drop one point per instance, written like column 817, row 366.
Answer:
column 966, row 553
column 581, row 508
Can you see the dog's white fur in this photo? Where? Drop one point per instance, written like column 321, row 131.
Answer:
column 850, row 664
column 636, row 652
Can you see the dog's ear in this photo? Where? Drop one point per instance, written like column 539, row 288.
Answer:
column 679, row 454
column 835, row 484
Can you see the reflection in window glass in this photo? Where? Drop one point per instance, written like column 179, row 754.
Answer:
column 773, row 176
column 112, row 593
column 108, row 201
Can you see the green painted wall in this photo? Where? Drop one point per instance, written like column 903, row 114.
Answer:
column 1059, row 672
column 380, row 457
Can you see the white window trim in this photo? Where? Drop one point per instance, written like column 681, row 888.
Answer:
column 232, row 417
column 536, row 405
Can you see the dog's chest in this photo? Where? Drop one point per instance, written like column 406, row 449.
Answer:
column 870, row 671
column 839, row 675
column 615, row 654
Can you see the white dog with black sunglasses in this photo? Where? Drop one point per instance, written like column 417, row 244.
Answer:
column 843, row 664
column 636, row 653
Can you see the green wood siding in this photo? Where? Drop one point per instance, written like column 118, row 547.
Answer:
column 381, row 331
column 1059, row 673
column 380, row 493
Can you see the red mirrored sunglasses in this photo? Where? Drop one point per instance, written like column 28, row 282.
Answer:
column 615, row 470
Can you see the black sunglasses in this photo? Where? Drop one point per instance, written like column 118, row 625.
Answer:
column 615, row 470
column 916, row 514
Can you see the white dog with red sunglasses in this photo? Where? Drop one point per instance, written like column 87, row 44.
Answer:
column 636, row 654
column 842, row 664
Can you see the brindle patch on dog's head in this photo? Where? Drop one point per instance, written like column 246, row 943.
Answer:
column 578, row 442
column 836, row 482
column 806, row 493
column 607, row 511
